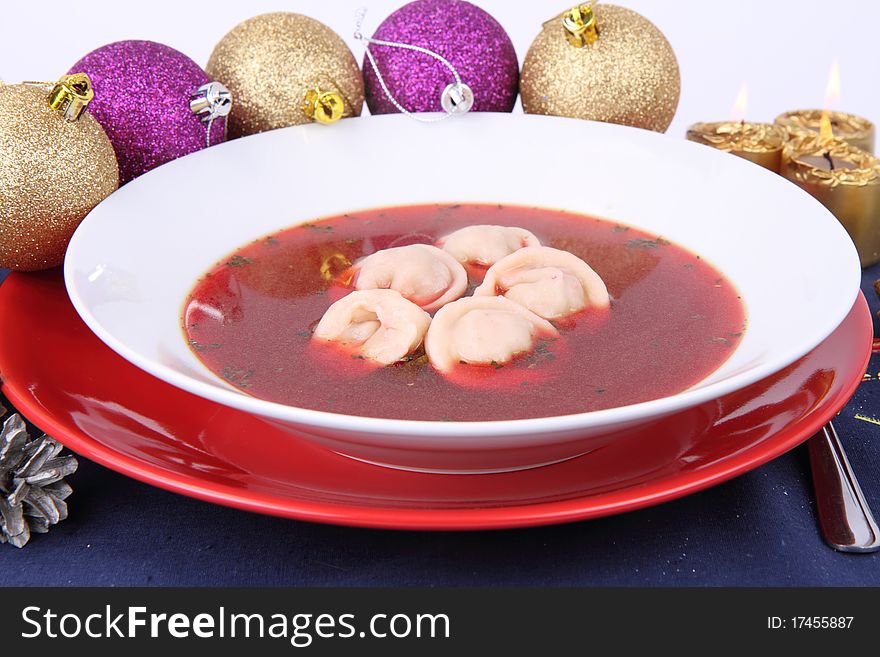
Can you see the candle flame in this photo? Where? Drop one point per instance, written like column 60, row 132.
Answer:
column 832, row 90
column 826, row 133
column 738, row 113
column 832, row 98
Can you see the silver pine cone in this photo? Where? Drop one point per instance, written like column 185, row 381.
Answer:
column 32, row 486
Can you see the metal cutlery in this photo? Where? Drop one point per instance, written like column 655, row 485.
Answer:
column 845, row 518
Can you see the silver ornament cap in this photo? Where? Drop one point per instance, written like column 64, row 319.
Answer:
column 457, row 98
column 211, row 101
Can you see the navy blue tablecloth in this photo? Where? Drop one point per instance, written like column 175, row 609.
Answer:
column 759, row 529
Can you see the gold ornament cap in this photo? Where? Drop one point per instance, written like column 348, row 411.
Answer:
column 580, row 25
column 71, row 95
column 323, row 106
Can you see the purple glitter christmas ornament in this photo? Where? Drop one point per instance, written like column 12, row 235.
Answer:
column 473, row 42
column 142, row 100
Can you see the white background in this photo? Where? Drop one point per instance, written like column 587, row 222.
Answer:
column 782, row 49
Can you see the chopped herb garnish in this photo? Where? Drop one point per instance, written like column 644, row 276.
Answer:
column 198, row 346
column 723, row 341
column 620, row 229
column 496, row 365
column 738, row 334
column 446, row 418
column 540, row 354
column 326, row 228
column 689, row 265
column 600, row 391
column 239, row 261
column 237, row 377
column 272, row 241
column 524, row 383
column 642, row 243
column 304, row 334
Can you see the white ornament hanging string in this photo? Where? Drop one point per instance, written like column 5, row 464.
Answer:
column 453, row 107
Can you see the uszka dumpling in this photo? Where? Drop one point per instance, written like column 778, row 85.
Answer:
column 485, row 245
column 378, row 325
column 483, row 330
column 424, row 274
column 549, row 282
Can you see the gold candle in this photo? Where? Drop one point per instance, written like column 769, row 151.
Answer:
column 854, row 130
column 845, row 179
column 760, row 143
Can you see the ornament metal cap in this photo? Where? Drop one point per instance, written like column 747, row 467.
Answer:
column 211, row 101
column 580, row 25
column 323, row 106
column 457, row 98
column 71, row 94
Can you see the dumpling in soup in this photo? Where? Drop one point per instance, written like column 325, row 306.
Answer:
column 549, row 282
column 483, row 330
column 485, row 245
column 424, row 274
column 379, row 325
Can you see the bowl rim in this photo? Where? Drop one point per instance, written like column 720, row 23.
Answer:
column 464, row 430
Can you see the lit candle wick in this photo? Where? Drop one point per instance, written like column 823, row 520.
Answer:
column 827, row 156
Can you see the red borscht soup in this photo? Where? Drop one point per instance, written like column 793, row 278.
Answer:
column 673, row 320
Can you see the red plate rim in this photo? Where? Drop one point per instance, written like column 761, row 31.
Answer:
column 503, row 517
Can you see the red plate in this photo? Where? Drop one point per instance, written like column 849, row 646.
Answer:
column 64, row 379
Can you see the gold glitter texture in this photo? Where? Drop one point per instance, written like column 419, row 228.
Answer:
column 760, row 143
column 628, row 76
column 53, row 172
column 270, row 62
column 854, row 130
column 738, row 136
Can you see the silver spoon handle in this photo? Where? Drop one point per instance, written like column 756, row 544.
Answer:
column 844, row 515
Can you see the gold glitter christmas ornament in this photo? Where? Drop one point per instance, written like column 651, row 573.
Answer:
column 57, row 164
column 604, row 63
column 286, row 69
